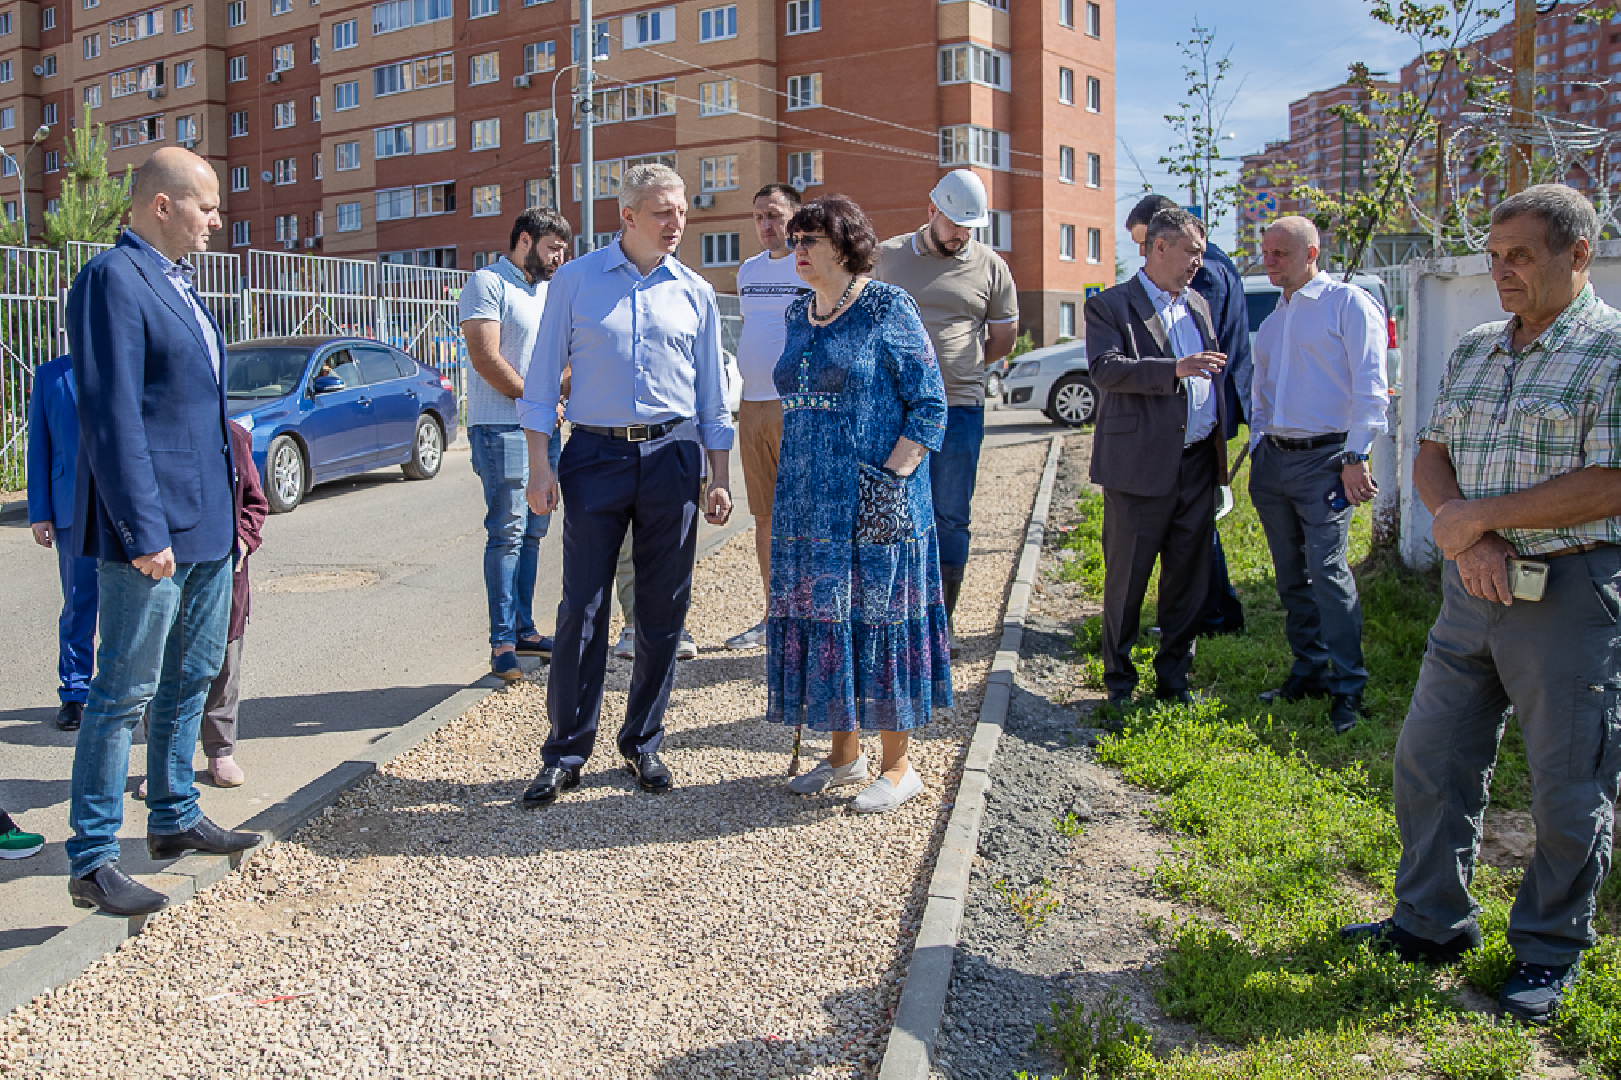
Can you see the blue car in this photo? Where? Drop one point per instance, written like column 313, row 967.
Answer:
column 320, row 408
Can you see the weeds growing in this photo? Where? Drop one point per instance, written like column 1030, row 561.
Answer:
column 1032, row 905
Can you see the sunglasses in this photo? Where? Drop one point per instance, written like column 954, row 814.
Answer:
column 804, row 242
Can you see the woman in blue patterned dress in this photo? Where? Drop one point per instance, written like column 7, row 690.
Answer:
column 856, row 635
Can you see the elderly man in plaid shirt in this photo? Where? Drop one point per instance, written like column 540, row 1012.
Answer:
column 1521, row 459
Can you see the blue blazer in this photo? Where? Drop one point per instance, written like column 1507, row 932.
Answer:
column 53, row 443
column 1219, row 282
column 155, row 460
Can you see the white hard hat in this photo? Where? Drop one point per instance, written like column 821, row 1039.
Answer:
column 960, row 196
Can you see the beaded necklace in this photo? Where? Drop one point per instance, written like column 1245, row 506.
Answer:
column 817, row 319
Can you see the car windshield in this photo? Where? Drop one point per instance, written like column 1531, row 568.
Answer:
column 260, row 374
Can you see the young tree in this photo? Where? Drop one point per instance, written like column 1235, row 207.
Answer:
column 1196, row 155
column 93, row 202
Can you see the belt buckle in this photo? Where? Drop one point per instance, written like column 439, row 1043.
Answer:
column 632, row 429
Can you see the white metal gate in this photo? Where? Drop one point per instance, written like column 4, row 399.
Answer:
column 416, row 311
column 30, row 323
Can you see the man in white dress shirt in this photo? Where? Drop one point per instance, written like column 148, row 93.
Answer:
column 1319, row 398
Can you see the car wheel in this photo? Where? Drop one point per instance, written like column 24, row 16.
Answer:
column 427, row 450
column 286, row 474
column 1073, row 401
column 993, row 388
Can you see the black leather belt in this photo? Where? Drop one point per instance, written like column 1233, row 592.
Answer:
column 1578, row 549
column 1316, row 442
column 635, row 432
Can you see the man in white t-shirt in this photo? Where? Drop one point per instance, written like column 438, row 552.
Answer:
column 499, row 311
column 766, row 285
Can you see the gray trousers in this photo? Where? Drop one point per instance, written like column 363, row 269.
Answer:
column 1555, row 661
column 218, row 730
column 1308, row 542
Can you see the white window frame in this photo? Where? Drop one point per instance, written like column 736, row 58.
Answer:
column 966, row 62
column 346, row 156
column 236, row 14
column 345, row 34
column 485, row 134
column 717, row 98
column 717, row 23
column 998, row 234
column 484, row 68
column 1066, row 14
column 656, row 27
column 1066, row 243
column 722, row 249
column 802, row 17
column 536, row 51
column 353, row 89
column 718, row 173
column 239, row 234
column 236, row 69
column 1066, row 164
column 1094, row 94
column 285, row 114
column 239, row 178
column 1094, row 246
column 1094, row 170
column 970, row 144
column 1066, row 86
column 483, row 9
column 804, row 92
column 483, row 204
column 805, row 169
column 538, row 125
column 1066, row 319
column 349, row 217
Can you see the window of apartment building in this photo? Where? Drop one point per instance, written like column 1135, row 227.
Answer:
column 317, row 220
column 185, row 128
column 5, row 23
column 481, row 259
column 802, row 17
column 478, row 9
column 316, row 172
column 136, row 132
column 239, row 123
column 346, row 95
column 281, row 7
column 997, row 234
column 970, row 144
column 537, row 125
column 348, row 217
column 715, row 98
column 285, row 171
column 805, row 168
column 433, row 136
column 1066, row 164
column 236, row 69
column 999, row 5
column 8, row 120
column 718, row 173
column 486, row 134
column 486, row 68
column 239, row 234
column 135, row 80
column 415, row 74
column 11, row 204
column 804, row 91
column 1066, row 86
column 599, row 42
column 184, row 22
column 1066, row 13
column 91, row 46
column 650, row 28
column 7, row 71
column 239, row 178
column 722, row 249
column 286, row 228
column 390, row 142
column 486, row 200
column 1066, row 319
column 1066, row 243
column 400, row 14
column 717, row 24
column 975, row 63
column 92, row 93
column 1094, row 170
column 1094, row 94
column 185, row 74
column 540, row 56
column 650, row 99
column 286, row 114
column 607, row 107
column 346, row 156
column 345, row 34
column 315, row 50
column 236, row 14
column 435, row 199
column 315, row 108
column 607, row 175
column 1094, row 245
column 49, row 64
column 47, row 18
column 1094, row 20
column 537, row 193
column 282, row 58
column 53, row 161
column 48, row 114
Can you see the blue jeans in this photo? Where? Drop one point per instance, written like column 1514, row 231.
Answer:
column 513, row 533
column 161, row 642
column 76, row 629
column 953, row 469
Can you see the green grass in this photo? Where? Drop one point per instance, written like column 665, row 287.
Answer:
column 1284, row 832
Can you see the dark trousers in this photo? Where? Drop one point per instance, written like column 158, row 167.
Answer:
column 1176, row 529
column 76, row 628
column 218, row 730
column 953, row 472
column 609, row 485
column 1222, row 614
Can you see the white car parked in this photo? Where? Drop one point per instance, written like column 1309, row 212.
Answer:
column 1053, row 379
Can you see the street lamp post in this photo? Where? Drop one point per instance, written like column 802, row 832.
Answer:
column 22, row 173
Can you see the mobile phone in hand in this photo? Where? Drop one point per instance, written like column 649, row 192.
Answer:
column 1336, row 498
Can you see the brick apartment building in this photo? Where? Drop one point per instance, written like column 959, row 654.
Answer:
column 412, row 130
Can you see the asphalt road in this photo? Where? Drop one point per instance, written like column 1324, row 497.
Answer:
column 368, row 610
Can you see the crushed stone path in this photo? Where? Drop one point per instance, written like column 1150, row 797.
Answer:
column 427, row 926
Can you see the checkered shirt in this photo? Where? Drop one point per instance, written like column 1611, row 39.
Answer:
column 1513, row 421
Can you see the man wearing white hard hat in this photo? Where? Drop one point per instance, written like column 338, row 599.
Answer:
column 971, row 310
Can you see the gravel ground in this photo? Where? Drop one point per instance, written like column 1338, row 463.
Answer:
column 426, row 926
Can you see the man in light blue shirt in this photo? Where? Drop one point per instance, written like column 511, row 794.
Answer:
column 640, row 335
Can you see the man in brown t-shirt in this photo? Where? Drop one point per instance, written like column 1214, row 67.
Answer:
column 971, row 310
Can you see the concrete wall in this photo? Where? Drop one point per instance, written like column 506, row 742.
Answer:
column 1446, row 298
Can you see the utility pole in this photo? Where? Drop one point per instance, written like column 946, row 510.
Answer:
column 587, row 149
column 1522, row 96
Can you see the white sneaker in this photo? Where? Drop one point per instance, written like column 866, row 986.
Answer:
column 884, row 796
column 752, row 638
column 825, row 776
column 686, row 648
column 626, row 648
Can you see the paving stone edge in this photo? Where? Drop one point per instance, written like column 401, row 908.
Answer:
column 910, row 1051
column 63, row 957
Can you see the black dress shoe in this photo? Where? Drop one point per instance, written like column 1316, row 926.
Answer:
column 1297, row 688
column 552, row 782
column 70, row 716
column 205, row 836
column 1180, row 697
column 114, row 892
column 651, row 773
column 541, row 647
column 1386, row 937
column 1345, row 711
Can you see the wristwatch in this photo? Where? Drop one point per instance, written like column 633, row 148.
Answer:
column 1351, row 455
column 891, row 473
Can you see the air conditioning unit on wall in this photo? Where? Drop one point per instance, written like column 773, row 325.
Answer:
column 703, row 200
column 521, row 82
column 274, row 76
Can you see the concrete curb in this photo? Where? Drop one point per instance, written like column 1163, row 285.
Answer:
column 62, row 958
column 912, row 1038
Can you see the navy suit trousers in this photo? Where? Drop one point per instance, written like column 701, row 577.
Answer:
column 610, row 485
column 76, row 628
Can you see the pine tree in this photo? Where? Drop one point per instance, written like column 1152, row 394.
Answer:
column 93, row 202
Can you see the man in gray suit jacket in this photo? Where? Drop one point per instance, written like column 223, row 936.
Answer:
column 1158, row 451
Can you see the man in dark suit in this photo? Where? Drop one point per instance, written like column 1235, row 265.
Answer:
column 153, row 503
column 53, row 454
column 1158, row 452
column 1222, row 287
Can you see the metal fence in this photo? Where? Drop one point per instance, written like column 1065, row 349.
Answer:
column 30, row 318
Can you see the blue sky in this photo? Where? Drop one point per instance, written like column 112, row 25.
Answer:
column 1280, row 52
